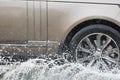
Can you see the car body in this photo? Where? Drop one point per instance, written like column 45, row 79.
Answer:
column 48, row 24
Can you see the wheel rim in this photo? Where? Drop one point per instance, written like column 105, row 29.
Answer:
column 98, row 50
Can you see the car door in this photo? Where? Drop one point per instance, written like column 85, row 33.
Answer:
column 23, row 21
column 13, row 21
column 37, row 23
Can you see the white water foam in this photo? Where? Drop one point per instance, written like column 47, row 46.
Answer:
column 41, row 69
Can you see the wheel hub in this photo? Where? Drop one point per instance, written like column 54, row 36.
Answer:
column 98, row 54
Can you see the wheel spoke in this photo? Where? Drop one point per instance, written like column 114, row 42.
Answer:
column 89, row 43
column 106, row 44
column 85, row 50
column 109, row 59
column 85, row 59
column 91, row 63
column 104, row 64
column 98, row 41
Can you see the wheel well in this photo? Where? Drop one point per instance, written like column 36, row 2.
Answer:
column 87, row 23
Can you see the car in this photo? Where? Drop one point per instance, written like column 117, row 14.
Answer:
column 84, row 31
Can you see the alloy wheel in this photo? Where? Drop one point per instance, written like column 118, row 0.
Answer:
column 98, row 50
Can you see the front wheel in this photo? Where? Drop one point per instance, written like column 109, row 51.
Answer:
column 97, row 46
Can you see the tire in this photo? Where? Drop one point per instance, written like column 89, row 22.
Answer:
column 96, row 45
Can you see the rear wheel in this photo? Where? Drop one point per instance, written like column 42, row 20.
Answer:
column 97, row 46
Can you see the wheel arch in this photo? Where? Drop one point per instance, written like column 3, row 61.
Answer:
column 86, row 22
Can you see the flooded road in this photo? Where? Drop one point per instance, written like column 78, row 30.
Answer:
column 42, row 69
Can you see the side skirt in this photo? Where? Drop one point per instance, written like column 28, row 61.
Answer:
column 33, row 49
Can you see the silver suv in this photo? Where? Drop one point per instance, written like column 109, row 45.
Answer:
column 86, row 30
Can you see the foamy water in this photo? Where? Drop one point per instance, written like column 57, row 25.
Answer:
column 42, row 69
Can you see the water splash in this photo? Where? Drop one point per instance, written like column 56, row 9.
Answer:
column 42, row 69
